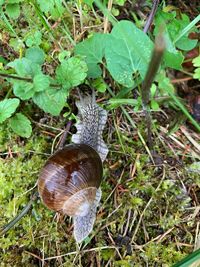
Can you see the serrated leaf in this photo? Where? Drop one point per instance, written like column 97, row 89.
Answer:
column 34, row 39
column 196, row 61
column 51, row 100
column 24, row 67
column 99, row 85
column 196, row 74
column 173, row 27
column 36, row 55
column 23, row 90
column 55, row 7
column 7, row 108
column 71, row 72
column 173, row 60
column 128, row 50
column 41, row 82
column 93, row 50
column 13, row 10
column 21, row 125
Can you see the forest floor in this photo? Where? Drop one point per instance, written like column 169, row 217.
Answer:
column 150, row 209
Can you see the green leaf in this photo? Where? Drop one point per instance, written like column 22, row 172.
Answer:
column 41, row 82
column 153, row 90
column 196, row 74
column 71, row 72
column 34, row 39
column 165, row 84
column 22, row 89
column 186, row 44
column 36, row 55
column 13, row 10
column 64, row 55
column 128, row 50
column 88, row 2
column 173, row 60
column 99, row 85
column 7, row 108
column 24, row 67
column 173, row 29
column 116, row 102
column 21, row 125
column 51, row 100
column 196, row 61
column 93, row 50
column 154, row 105
column 55, row 7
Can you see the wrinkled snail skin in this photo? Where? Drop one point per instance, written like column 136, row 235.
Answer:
column 70, row 180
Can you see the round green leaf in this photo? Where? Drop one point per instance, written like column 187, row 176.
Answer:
column 34, row 39
column 13, row 10
column 41, row 82
column 51, row 100
column 7, row 108
column 21, row 125
column 71, row 72
column 36, row 55
column 23, row 90
column 25, row 67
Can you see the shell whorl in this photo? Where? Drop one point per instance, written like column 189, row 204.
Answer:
column 92, row 120
column 75, row 168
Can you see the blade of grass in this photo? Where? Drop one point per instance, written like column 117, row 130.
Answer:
column 122, row 101
column 187, row 28
column 7, row 23
column 133, row 125
column 106, row 12
column 183, row 108
column 193, row 258
column 20, row 215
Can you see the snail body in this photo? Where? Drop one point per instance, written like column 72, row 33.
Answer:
column 70, row 180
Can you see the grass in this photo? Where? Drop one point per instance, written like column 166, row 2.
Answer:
column 149, row 214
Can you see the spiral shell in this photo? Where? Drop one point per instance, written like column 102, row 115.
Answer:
column 70, row 178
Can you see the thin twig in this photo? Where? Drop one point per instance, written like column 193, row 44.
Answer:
column 29, row 80
column 151, row 16
column 19, row 216
column 64, row 136
column 34, row 196
column 110, row 2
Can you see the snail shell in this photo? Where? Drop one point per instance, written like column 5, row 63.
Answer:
column 69, row 180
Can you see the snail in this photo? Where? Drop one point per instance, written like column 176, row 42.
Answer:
column 70, row 180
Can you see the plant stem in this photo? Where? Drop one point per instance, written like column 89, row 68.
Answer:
column 149, row 78
column 30, row 80
column 20, row 215
column 151, row 16
column 64, row 136
column 153, row 68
